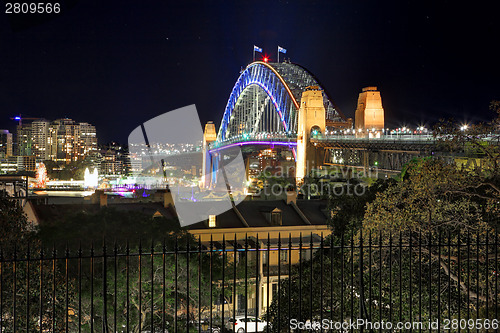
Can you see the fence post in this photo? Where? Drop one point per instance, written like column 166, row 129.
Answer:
column 28, row 289
column 104, row 288
column 14, row 289
column 187, row 285
column 361, row 286
column 1, row 289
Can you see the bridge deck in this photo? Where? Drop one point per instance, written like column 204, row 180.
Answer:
column 386, row 143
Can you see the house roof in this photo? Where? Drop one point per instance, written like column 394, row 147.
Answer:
column 257, row 214
column 50, row 212
column 248, row 213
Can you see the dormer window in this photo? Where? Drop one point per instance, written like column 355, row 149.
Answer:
column 211, row 221
column 276, row 218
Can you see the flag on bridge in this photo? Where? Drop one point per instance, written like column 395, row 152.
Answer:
column 258, row 49
column 282, row 50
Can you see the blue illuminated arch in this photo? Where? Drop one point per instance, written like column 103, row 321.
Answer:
column 267, row 78
column 283, row 83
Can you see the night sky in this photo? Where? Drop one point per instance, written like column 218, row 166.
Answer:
column 117, row 64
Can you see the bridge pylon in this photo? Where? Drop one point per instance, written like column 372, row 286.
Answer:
column 209, row 136
column 369, row 114
column 311, row 121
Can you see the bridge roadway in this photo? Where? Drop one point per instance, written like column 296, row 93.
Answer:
column 388, row 153
column 384, row 142
column 325, row 140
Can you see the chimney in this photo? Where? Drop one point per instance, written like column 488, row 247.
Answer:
column 103, row 200
column 291, row 196
column 99, row 197
column 167, row 199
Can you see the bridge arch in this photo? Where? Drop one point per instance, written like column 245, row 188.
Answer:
column 265, row 101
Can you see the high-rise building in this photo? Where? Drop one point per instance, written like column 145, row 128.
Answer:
column 39, row 142
column 52, row 142
column 5, row 143
column 88, row 139
column 23, row 140
column 65, row 140
column 61, row 140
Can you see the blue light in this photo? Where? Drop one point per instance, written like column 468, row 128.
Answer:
column 17, row 118
column 247, row 78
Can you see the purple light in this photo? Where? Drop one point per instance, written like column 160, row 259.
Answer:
column 269, row 143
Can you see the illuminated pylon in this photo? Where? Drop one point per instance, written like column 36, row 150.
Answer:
column 369, row 119
column 311, row 121
column 209, row 136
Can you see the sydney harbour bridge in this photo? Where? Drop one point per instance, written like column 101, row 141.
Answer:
column 266, row 100
column 283, row 104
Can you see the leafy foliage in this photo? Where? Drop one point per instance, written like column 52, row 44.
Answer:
column 14, row 226
column 32, row 292
column 66, row 171
column 431, row 203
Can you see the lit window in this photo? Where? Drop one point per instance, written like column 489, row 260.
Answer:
column 211, row 221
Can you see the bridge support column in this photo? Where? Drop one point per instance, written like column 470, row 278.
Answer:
column 369, row 120
column 311, row 121
column 209, row 136
column 366, row 159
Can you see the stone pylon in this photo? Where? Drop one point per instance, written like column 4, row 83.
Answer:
column 311, row 122
column 209, row 136
column 369, row 119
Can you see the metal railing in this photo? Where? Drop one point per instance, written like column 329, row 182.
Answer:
column 182, row 285
column 389, row 138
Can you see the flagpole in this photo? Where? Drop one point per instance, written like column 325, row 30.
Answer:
column 278, row 54
column 254, row 53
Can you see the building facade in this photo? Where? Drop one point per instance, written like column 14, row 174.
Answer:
column 272, row 225
column 39, row 138
column 5, row 144
column 23, row 140
column 62, row 140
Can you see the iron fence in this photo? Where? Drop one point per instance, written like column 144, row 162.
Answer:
column 414, row 282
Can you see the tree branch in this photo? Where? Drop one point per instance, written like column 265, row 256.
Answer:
column 482, row 259
column 470, row 293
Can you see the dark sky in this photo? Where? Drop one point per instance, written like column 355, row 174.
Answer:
column 117, row 64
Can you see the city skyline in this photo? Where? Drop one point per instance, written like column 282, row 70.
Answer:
column 233, row 166
column 132, row 62
column 58, row 140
